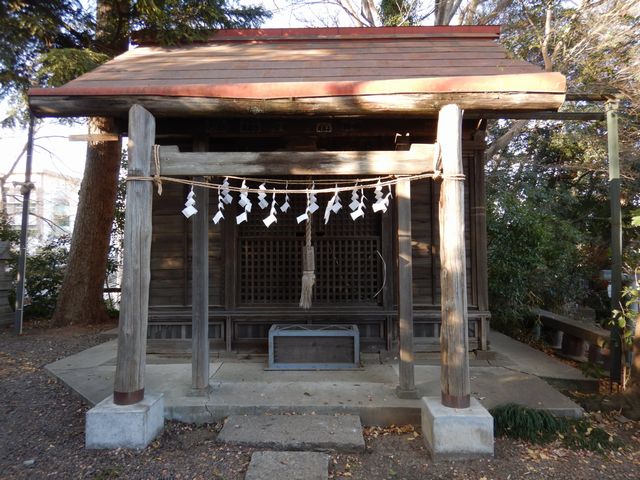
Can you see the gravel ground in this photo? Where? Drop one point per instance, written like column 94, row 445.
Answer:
column 42, row 436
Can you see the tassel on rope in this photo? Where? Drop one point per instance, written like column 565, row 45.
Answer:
column 157, row 180
column 308, row 269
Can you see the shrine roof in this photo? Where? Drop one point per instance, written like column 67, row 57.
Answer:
column 307, row 63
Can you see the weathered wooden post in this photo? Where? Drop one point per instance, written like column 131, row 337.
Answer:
column 454, row 425
column 200, row 287
column 611, row 108
column 407, row 388
column 130, row 418
column 454, row 339
column 134, row 302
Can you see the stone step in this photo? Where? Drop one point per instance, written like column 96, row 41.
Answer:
column 288, row 466
column 340, row 433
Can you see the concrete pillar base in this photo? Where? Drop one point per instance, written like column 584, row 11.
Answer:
column 456, row 433
column 200, row 392
column 125, row 426
column 406, row 394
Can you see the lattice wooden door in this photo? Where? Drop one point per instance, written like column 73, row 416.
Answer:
column 348, row 267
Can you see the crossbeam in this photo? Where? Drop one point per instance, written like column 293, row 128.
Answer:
column 411, row 162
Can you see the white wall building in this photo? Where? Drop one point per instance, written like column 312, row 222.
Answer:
column 53, row 204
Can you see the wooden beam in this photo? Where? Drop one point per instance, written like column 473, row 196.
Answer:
column 95, row 137
column 136, row 272
column 593, row 96
column 200, row 286
column 454, row 336
column 545, row 115
column 407, row 387
column 417, row 160
column 399, row 104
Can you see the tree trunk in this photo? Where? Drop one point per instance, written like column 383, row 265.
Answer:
column 80, row 299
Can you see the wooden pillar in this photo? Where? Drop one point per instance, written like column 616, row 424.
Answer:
column 480, row 219
column 407, row 388
column 230, row 244
column 200, row 286
column 136, row 272
column 454, row 339
column 611, row 108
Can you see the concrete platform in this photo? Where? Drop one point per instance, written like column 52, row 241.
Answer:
column 321, row 433
column 245, row 388
column 288, row 466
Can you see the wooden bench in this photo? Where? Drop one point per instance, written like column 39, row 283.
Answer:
column 575, row 332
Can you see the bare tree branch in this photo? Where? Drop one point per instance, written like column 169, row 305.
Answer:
column 503, row 141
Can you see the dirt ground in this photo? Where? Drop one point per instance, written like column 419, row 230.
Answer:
column 42, row 436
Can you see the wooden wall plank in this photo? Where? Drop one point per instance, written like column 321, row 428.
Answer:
column 407, row 388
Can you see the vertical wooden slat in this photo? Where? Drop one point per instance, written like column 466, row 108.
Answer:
column 407, row 388
column 387, row 255
column 454, row 339
column 230, row 256
column 471, row 221
column 136, row 268
column 480, row 215
column 432, row 241
column 231, row 259
column 185, row 253
column 200, row 285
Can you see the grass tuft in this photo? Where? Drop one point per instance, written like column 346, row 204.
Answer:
column 522, row 423
column 539, row 427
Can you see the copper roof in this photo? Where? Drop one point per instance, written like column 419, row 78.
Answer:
column 312, row 63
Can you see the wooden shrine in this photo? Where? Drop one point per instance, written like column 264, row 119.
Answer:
column 308, row 104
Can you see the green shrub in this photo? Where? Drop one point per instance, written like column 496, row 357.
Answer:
column 540, row 427
column 522, row 423
column 45, row 272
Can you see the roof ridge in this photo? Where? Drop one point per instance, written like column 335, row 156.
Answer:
column 333, row 33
